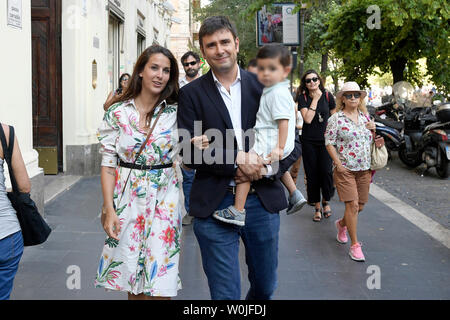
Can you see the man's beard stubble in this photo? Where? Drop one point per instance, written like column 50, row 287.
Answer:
column 192, row 73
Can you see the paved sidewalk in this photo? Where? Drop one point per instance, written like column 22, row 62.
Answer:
column 312, row 265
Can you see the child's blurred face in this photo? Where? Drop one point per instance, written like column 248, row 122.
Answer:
column 271, row 71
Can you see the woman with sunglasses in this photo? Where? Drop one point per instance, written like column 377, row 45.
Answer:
column 348, row 139
column 316, row 105
column 123, row 84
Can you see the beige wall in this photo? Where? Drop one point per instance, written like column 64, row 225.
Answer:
column 16, row 83
column 82, row 104
column 180, row 33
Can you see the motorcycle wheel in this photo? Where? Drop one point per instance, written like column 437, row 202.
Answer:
column 410, row 161
column 442, row 167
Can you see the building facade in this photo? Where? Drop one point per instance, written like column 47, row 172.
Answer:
column 62, row 59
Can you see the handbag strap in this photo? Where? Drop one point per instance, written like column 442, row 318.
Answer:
column 143, row 146
column 8, row 153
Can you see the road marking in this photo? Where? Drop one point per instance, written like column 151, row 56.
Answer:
column 434, row 229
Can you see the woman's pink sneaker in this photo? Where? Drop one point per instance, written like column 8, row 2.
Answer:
column 341, row 232
column 356, row 252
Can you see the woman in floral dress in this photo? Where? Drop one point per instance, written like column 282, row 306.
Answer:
column 143, row 223
column 348, row 140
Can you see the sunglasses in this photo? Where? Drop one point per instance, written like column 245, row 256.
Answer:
column 311, row 79
column 350, row 95
column 192, row 63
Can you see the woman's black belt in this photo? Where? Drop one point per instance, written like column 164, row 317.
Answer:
column 144, row 167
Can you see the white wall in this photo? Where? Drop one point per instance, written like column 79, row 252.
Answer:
column 16, row 83
column 83, row 105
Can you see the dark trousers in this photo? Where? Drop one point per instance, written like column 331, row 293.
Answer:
column 188, row 178
column 219, row 247
column 319, row 173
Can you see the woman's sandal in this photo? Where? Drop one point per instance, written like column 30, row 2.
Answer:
column 317, row 217
column 327, row 213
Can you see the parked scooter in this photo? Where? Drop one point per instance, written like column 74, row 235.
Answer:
column 426, row 136
column 386, row 127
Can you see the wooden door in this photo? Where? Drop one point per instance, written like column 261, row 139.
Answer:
column 46, row 64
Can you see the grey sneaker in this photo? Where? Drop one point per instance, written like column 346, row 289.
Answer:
column 230, row 215
column 296, row 202
column 187, row 220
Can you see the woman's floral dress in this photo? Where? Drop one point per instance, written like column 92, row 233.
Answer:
column 145, row 259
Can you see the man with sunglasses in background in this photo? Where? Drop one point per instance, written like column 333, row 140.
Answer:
column 191, row 65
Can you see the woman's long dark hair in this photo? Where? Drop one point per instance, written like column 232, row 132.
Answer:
column 303, row 89
column 169, row 93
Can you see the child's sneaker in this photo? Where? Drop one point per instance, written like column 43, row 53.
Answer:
column 356, row 252
column 296, row 202
column 341, row 232
column 230, row 215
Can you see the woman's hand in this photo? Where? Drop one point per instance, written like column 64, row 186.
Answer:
column 316, row 94
column 340, row 168
column 371, row 125
column 110, row 222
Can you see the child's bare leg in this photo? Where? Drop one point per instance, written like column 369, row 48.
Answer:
column 242, row 190
column 288, row 182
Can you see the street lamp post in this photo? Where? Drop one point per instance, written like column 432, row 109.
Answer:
column 294, row 63
column 302, row 24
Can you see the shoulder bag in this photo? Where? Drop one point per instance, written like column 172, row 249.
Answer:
column 378, row 152
column 34, row 228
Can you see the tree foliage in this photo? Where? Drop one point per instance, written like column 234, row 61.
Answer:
column 410, row 30
column 246, row 27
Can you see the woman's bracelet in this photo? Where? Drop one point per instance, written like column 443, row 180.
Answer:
column 312, row 109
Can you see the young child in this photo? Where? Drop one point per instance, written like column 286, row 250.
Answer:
column 274, row 129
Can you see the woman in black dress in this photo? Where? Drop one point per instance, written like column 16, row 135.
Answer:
column 316, row 106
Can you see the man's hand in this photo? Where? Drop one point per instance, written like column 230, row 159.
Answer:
column 200, row 142
column 240, row 177
column 250, row 165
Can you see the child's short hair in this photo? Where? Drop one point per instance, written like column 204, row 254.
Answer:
column 274, row 50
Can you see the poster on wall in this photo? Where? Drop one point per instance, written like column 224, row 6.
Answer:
column 14, row 13
column 277, row 24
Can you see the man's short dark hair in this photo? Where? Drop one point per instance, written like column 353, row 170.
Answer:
column 188, row 54
column 275, row 50
column 252, row 63
column 213, row 24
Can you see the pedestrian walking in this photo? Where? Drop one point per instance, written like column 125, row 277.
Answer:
column 296, row 166
column 123, row 84
column 348, row 140
column 227, row 97
column 141, row 213
column 274, row 129
column 316, row 105
column 191, row 65
column 11, row 240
